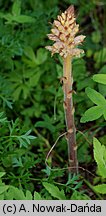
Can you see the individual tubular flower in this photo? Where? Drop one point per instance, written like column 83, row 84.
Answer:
column 63, row 33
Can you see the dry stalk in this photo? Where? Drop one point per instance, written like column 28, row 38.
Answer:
column 63, row 33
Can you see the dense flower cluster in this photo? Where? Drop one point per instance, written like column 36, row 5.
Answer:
column 63, row 33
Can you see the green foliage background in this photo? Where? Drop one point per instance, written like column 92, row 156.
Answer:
column 31, row 100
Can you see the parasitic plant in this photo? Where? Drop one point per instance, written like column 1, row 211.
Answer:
column 66, row 44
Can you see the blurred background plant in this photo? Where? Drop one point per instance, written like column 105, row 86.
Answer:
column 31, row 98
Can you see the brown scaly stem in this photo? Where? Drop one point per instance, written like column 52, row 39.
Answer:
column 66, row 44
column 69, row 115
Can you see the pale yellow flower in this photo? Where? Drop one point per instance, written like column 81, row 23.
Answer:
column 63, row 33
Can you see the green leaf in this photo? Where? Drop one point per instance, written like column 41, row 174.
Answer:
column 98, row 151
column 102, row 87
column 25, row 90
column 2, row 119
column 41, row 56
column 2, row 174
column 17, row 193
column 95, row 97
column 96, row 36
column 16, row 8
column 9, row 103
column 17, row 162
column 3, row 189
column 24, row 139
column 33, row 81
column 100, row 157
column 37, row 196
column 100, row 56
column 8, row 17
column 17, row 93
column 45, row 124
column 54, row 191
column 30, row 53
column 99, row 110
column 84, row 83
column 100, row 188
column 30, row 137
column 28, row 132
column 23, row 19
column 22, row 142
column 103, row 70
column 92, row 114
column 104, row 113
column 1, row 196
column 9, row 195
column 28, row 195
column 100, row 78
column 78, row 196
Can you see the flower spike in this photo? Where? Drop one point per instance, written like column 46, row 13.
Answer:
column 63, row 34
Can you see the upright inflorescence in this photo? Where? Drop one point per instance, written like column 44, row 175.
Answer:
column 63, row 33
column 65, row 43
